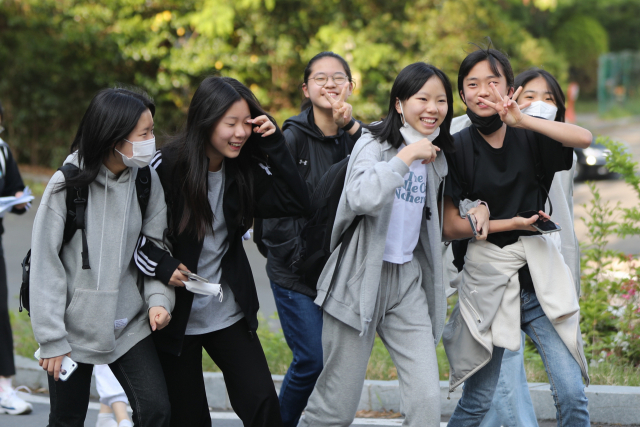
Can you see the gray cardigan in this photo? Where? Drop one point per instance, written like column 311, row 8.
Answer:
column 373, row 175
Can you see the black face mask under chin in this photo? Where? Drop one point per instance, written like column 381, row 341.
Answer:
column 486, row 125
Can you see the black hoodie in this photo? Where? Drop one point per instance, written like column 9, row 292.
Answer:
column 282, row 236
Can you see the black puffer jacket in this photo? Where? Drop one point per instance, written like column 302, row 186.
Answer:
column 282, row 236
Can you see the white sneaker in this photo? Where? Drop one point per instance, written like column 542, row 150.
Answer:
column 11, row 404
column 106, row 420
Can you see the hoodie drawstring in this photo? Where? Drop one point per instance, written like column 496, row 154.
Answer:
column 124, row 219
column 104, row 217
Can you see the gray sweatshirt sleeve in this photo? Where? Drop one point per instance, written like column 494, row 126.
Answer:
column 48, row 279
column 371, row 182
column 154, row 226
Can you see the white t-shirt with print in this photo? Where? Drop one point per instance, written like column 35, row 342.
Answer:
column 406, row 216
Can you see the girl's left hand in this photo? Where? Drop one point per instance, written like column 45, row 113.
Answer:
column 506, row 107
column 158, row 318
column 481, row 214
column 264, row 125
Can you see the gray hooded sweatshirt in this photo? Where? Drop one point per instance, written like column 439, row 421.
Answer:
column 100, row 313
column 373, row 175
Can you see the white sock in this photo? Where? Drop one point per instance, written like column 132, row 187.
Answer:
column 106, row 420
column 125, row 423
column 5, row 384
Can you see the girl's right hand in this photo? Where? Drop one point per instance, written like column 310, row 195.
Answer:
column 178, row 278
column 520, row 223
column 52, row 365
column 422, row 150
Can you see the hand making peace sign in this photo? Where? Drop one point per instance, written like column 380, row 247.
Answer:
column 341, row 109
column 506, row 107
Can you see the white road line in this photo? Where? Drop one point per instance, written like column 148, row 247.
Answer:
column 33, row 398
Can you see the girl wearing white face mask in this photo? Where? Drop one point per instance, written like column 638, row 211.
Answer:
column 390, row 278
column 512, row 403
column 88, row 300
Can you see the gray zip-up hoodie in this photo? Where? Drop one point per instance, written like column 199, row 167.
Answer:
column 100, row 313
column 373, row 175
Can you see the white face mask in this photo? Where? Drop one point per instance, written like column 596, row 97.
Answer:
column 411, row 135
column 541, row 109
column 143, row 152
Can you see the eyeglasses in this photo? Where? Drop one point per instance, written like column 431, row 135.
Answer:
column 338, row 78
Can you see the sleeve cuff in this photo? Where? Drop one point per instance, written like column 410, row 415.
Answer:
column 166, row 266
column 399, row 166
column 54, row 348
column 160, row 300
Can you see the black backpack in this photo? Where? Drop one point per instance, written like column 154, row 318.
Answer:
column 316, row 233
column 76, row 202
column 464, row 161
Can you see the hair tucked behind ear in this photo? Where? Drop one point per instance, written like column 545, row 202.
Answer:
column 111, row 116
column 409, row 81
column 212, row 99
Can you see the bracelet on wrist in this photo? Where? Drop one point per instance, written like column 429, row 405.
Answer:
column 349, row 125
column 480, row 202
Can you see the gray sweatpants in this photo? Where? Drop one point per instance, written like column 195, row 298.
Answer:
column 401, row 318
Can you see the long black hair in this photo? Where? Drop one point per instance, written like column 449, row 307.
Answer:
column 552, row 84
column 409, row 81
column 212, row 99
column 493, row 56
column 111, row 116
column 306, row 102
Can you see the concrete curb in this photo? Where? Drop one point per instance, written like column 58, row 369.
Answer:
column 607, row 404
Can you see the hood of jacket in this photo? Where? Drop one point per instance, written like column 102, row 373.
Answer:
column 306, row 123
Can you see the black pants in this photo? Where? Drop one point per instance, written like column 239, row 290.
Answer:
column 7, row 367
column 140, row 375
column 240, row 357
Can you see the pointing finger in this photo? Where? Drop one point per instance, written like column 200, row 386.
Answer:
column 329, row 98
column 517, row 94
column 343, row 94
column 495, row 91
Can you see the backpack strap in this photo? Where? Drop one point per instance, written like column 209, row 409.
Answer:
column 465, row 161
column 76, row 201
column 539, row 170
column 143, row 188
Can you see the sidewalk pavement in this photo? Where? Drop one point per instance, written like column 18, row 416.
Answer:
column 607, row 404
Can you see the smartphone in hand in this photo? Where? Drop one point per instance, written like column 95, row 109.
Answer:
column 543, row 226
column 472, row 222
column 66, row 369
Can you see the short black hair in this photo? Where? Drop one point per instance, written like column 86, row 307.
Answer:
column 490, row 54
column 1, row 113
column 552, row 84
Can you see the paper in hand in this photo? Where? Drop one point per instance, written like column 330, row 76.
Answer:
column 7, row 203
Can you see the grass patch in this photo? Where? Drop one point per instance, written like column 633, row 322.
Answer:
column 24, row 343
column 610, row 372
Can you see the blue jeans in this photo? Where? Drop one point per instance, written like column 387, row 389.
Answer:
column 301, row 322
column 565, row 377
column 511, row 406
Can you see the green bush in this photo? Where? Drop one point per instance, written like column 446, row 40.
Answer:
column 610, row 299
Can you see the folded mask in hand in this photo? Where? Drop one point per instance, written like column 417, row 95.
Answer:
column 203, row 288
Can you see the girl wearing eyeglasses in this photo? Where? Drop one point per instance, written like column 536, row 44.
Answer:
column 322, row 134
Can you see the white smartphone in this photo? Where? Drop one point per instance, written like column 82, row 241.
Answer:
column 66, row 369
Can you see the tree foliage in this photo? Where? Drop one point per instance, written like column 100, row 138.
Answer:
column 56, row 54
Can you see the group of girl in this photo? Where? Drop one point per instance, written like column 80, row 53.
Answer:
column 230, row 165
